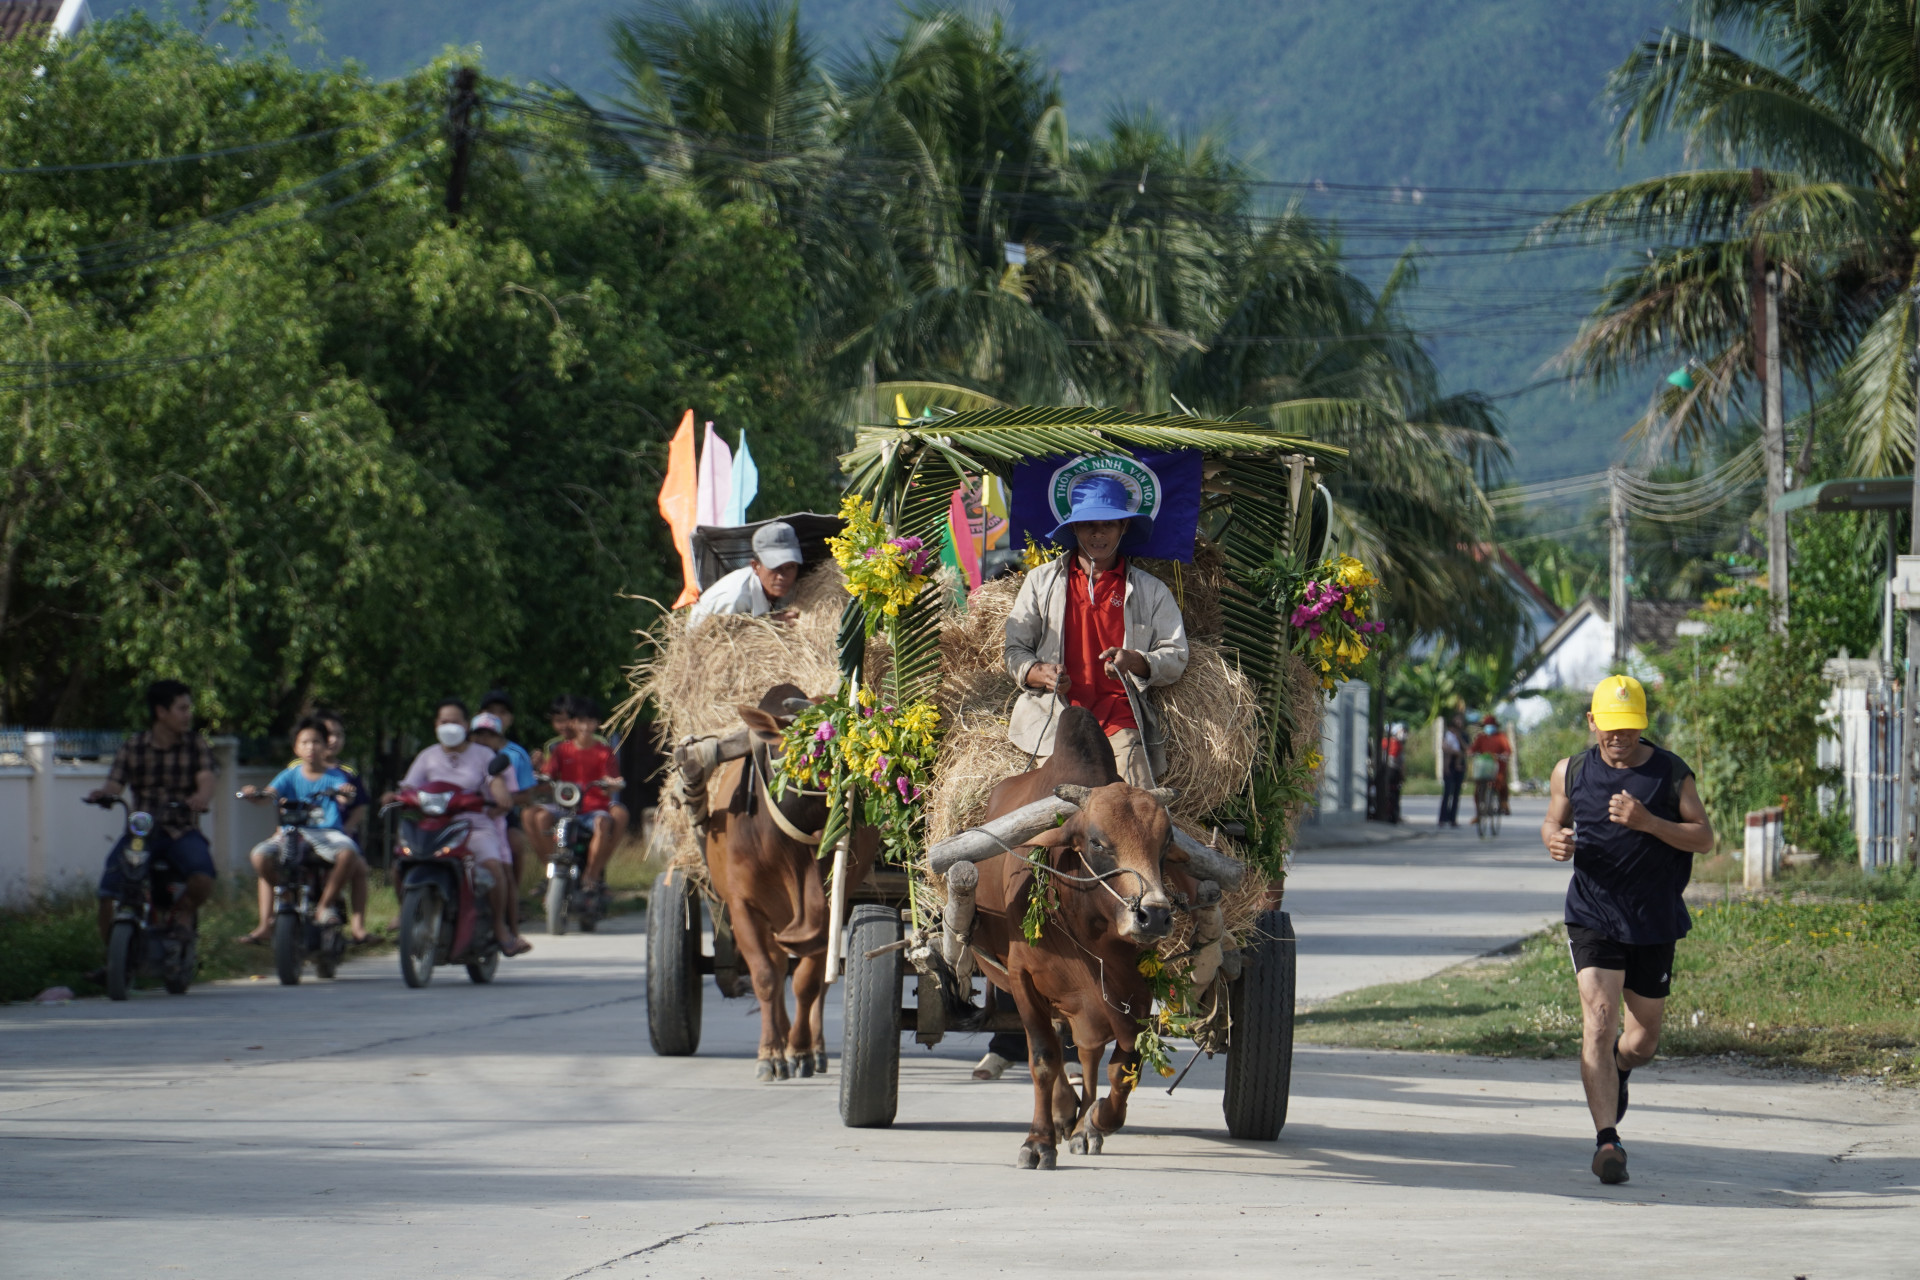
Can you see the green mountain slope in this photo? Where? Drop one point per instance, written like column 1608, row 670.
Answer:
column 1419, row 100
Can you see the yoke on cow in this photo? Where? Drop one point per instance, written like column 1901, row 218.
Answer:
column 947, row 858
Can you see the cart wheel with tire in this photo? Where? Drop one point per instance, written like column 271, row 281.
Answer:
column 673, row 965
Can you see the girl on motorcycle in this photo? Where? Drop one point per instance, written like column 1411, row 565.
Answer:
column 459, row 760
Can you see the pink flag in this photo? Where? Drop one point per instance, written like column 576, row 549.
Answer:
column 960, row 536
column 716, row 479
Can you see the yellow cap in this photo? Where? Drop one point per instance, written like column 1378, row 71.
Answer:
column 1619, row 703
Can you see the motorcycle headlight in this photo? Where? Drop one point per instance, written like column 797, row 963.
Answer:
column 136, row 854
column 141, row 824
column 567, row 794
column 434, row 803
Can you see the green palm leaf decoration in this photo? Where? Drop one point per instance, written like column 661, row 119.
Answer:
column 1258, row 499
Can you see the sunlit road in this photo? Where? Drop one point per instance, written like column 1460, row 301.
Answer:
column 525, row 1130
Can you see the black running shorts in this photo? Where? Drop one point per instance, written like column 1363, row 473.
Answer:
column 1649, row 969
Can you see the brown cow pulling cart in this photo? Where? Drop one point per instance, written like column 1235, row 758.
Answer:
column 908, row 742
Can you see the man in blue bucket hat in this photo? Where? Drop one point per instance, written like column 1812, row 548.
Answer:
column 1091, row 630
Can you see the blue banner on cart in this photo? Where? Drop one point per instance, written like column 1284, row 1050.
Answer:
column 1163, row 486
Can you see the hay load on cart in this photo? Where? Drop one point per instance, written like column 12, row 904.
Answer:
column 912, row 731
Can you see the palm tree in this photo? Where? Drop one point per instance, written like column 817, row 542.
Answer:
column 1826, row 104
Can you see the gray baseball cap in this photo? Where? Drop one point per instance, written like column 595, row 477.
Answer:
column 777, row 544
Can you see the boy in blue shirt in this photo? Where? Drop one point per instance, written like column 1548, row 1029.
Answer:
column 329, row 787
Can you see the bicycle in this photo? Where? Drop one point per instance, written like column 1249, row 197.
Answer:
column 1485, row 771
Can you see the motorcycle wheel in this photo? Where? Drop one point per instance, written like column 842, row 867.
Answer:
column 287, row 957
column 482, row 971
column 556, row 906
column 178, row 982
column 120, row 960
column 419, row 934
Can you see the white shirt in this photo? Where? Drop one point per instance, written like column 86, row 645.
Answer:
column 737, row 592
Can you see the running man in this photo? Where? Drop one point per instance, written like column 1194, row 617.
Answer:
column 1628, row 816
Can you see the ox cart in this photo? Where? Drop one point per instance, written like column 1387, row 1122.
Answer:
column 903, row 642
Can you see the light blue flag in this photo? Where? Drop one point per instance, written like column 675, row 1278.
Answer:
column 746, row 484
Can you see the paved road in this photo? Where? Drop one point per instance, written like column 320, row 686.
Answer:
column 524, row 1130
column 1405, row 909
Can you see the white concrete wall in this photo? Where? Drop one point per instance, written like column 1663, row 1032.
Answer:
column 1343, row 752
column 50, row 841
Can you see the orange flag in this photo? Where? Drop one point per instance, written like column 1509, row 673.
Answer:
column 677, row 496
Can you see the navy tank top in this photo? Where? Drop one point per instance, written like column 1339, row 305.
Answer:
column 1627, row 884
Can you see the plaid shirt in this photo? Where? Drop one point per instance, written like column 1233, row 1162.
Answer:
column 156, row 776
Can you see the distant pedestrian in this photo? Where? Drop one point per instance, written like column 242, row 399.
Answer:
column 1394, row 747
column 1628, row 816
column 1453, row 770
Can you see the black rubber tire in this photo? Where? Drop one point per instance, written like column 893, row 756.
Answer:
column 481, row 972
column 419, row 934
column 870, row 1051
column 1260, row 1054
column 188, row 970
column 120, row 960
column 556, row 906
column 288, row 936
column 673, row 966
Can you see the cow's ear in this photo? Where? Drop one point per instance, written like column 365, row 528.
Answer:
column 764, row 726
column 1172, row 854
column 1165, row 795
column 1051, row 838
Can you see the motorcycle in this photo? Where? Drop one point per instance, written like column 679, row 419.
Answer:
column 136, row 946
column 297, row 936
column 444, row 892
column 567, row 894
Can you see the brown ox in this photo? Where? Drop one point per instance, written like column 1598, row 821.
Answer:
column 769, row 878
column 1106, row 864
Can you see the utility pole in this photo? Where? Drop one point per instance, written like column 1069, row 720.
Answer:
column 1908, row 844
column 461, row 129
column 1765, row 300
column 1617, row 603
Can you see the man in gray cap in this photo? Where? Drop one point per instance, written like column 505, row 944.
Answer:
column 756, row 587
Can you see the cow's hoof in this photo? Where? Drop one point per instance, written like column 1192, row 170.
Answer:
column 781, row 1070
column 1029, row 1158
column 1077, row 1144
column 1049, row 1157
column 801, row 1067
column 820, row 1061
column 1094, row 1140
column 763, row 1071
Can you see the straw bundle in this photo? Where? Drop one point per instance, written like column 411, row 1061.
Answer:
column 697, row 683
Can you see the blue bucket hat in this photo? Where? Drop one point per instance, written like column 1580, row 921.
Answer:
column 1099, row 497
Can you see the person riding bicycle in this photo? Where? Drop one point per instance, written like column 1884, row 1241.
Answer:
column 1499, row 746
column 459, row 761
column 584, row 758
column 1490, row 793
column 328, row 787
column 170, row 770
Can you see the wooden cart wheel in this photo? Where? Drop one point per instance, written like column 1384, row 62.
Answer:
column 1260, row 1054
column 673, row 966
column 870, row 1053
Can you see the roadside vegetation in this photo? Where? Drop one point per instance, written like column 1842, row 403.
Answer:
column 1824, row 974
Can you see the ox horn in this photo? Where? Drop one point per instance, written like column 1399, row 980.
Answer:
column 1073, row 793
column 1207, row 863
column 1165, row 795
column 991, row 839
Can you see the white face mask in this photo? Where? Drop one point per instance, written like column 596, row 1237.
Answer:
column 450, row 735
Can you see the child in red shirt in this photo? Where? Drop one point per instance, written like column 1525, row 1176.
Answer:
column 585, row 759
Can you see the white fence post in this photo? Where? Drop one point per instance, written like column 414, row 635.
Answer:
column 39, row 804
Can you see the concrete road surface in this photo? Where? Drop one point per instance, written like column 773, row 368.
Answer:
column 524, row 1130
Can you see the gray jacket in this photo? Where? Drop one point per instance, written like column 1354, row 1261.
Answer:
column 1036, row 631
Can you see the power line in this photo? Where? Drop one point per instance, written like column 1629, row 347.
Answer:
column 146, row 162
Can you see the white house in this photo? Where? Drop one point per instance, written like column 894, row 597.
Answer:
column 1578, row 652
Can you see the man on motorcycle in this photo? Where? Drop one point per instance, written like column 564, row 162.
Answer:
column 313, row 781
column 585, row 759
column 490, row 730
column 462, row 763
column 170, row 769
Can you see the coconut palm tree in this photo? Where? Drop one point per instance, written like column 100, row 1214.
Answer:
column 1824, row 98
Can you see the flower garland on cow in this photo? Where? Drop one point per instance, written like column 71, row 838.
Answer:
column 871, row 752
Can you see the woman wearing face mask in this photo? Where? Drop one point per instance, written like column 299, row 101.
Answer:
column 462, row 762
